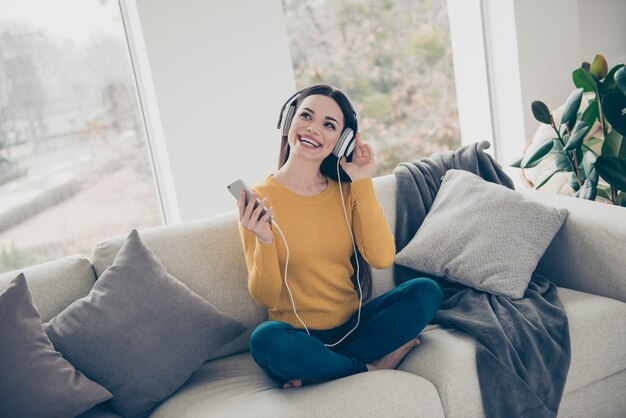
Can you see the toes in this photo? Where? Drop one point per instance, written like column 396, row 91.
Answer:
column 292, row 384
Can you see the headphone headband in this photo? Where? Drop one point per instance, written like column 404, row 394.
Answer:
column 290, row 101
column 282, row 110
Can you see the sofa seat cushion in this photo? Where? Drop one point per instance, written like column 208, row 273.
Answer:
column 56, row 284
column 235, row 386
column 446, row 357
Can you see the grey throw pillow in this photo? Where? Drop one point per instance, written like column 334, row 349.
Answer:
column 35, row 380
column 140, row 332
column 482, row 235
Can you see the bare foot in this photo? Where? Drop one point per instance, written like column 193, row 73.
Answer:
column 391, row 360
column 296, row 383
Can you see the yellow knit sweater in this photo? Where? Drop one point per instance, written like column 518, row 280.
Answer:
column 319, row 271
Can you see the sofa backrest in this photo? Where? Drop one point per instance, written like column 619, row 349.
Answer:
column 385, row 187
column 589, row 251
column 56, row 284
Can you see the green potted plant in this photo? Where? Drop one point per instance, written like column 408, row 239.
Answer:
column 570, row 147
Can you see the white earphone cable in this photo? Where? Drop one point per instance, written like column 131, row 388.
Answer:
column 355, row 257
column 286, row 285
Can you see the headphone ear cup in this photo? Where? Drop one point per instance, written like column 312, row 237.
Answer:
column 288, row 118
column 345, row 144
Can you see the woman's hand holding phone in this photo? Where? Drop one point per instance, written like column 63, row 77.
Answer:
column 251, row 218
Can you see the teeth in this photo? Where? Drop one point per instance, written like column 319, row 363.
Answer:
column 309, row 141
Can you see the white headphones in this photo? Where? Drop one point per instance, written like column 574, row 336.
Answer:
column 347, row 140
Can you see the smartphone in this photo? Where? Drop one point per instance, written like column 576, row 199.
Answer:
column 235, row 189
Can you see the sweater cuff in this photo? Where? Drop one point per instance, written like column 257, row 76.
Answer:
column 363, row 189
column 266, row 252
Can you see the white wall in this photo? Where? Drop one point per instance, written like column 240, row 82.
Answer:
column 212, row 76
column 549, row 50
column 549, row 39
column 602, row 26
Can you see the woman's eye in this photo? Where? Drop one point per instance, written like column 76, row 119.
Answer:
column 330, row 125
column 305, row 115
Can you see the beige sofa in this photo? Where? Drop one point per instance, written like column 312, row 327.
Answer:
column 587, row 260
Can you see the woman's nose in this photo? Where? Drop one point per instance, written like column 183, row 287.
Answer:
column 310, row 128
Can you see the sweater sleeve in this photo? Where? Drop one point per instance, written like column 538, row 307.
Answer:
column 371, row 231
column 264, row 278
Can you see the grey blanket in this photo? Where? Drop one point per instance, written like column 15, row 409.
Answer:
column 523, row 347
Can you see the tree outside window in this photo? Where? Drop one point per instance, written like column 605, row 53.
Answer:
column 74, row 162
column 393, row 58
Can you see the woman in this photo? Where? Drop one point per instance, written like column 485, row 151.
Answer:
column 324, row 224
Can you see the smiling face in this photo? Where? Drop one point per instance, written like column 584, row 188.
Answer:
column 316, row 127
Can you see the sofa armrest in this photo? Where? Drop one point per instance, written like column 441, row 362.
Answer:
column 589, row 252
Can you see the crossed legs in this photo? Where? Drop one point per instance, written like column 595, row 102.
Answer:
column 387, row 332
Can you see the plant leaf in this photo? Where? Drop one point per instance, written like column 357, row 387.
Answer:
column 573, row 181
column 587, row 191
column 602, row 192
column 614, row 106
column 571, row 107
column 589, row 164
column 620, row 79
column 576, row 140
column 545, row 180
column 583, row 79
column 541, row 112
column 591, row 142
column 517, row 163
column 590, row 115
column 599, row 67
column 613, row 171
column 537, row 153
column 614, row 145
column 609, row 84
column 561, row 159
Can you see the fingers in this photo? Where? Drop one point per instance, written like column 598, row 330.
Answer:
column 251, row 216
column 363, row 153
column 265, row 218
column 360, row 146
column 248, row 209
column 256, row 213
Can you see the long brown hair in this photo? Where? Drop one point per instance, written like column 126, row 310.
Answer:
column 329, row 168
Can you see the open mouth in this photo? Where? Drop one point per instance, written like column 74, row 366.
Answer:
column 309, row 142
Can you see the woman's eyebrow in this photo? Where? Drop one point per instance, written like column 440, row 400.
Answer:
column 327, row 117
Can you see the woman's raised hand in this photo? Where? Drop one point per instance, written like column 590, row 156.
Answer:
column 363, row 163
column 249, row 218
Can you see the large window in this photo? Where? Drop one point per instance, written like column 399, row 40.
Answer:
column 393, row 58
column 74, row 163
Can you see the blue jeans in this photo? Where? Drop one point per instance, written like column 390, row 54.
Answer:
column 387, row 322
